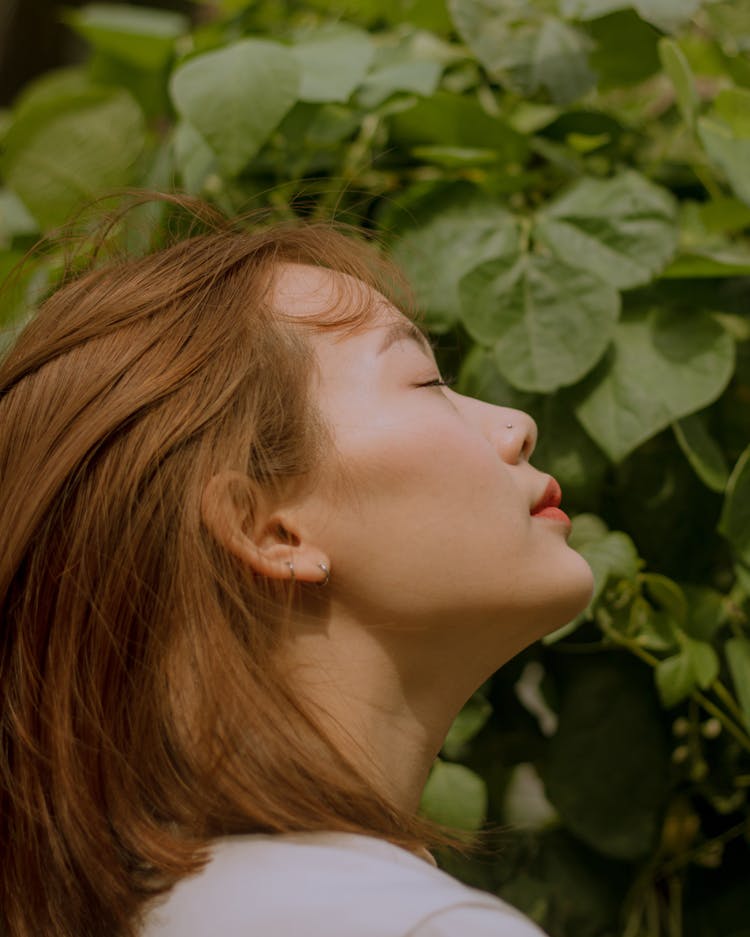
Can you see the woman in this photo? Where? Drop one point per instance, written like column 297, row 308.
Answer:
column 256, row 557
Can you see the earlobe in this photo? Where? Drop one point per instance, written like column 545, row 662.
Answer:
column 262, row 539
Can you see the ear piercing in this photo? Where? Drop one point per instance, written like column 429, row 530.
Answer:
column 322, row 566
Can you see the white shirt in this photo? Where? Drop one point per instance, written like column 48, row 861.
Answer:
column 327, row 885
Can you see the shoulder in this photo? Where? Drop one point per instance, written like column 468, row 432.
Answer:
column 332, row 884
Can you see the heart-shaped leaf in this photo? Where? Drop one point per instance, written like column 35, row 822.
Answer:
column 662, row 366
column 236, row 97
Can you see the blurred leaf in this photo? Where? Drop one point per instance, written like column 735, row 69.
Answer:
column 707, row 612
column 141, row 36
column 56, row 163
column 606, row 767
column 620, row 229
column 466, row 725
column 235, row 97
column 523, row 44
column 668, row 15
column 738, row 658
column 436, row 255
column 702, row 451
column 676, row 66
column 732, row 105
column 722, row 262
column 14, row 218
column 613, row 556
column 449, row 119
column 193, row 157
column 667, row 594
column 728, row 152
column 528, row 307
column 455, row 796
column 626, row 50
column 414, row 77
column 696, row 665
column 734, row 523
column 663, row 365
column 333, row 61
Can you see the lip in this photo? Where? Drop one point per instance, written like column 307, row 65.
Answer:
column 551, row 497
column 548, row 506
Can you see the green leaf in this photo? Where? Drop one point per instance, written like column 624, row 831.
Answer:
column 411, row 77
column 721, row 262
column 613, row 556
column 707, row 612
column 702, row 451
column 695, row 666
column 626, row 51
column 449, row 119
column 676, row 66
column 606, row 769
column 668, row 15
column 333, row 61
column 738, row 658
column 236, row 97
column 727, row 152
column 732, row 105
column 621, row 229
column 667, row 594
column 565, row 450
column 664, row 364
column 734, row 523
column 138, row 35
column 548, row 323
column 193, row 157
column 526, row 47
column 15, row 219
column 436, row 255
column 55, row 165
column 466, row 725
column 455, row 796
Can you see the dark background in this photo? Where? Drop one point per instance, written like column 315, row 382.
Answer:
column 34, row 39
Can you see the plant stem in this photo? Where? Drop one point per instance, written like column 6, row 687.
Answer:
column 727, row 722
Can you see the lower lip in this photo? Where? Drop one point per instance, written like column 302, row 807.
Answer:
column 554, row 514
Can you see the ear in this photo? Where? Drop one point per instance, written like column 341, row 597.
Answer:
column 267, row 541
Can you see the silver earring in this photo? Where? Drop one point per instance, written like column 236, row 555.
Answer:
column 509, row 426
column 327, row 572
column 291, row 570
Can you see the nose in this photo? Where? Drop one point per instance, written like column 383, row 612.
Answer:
column 521, row 434
column 512, row 432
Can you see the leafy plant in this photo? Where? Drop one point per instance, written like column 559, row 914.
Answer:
column 567, row 185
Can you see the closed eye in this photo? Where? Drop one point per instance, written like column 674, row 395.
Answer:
column 439, row 382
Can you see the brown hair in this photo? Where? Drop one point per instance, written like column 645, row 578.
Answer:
column 142, row 712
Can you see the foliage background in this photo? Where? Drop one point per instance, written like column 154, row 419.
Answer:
column 567, row 184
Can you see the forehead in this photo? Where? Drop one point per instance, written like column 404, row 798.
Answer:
column 326, row 298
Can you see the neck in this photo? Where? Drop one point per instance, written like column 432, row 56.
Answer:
column 387, row 698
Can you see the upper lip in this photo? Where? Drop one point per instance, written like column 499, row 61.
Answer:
column 551, row 497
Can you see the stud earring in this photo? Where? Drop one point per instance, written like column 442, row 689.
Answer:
column 291, row 570
column 509, row 426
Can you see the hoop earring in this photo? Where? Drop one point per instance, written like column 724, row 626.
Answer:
column 327, row 572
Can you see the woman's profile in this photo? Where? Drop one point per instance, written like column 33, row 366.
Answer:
column 256, row 556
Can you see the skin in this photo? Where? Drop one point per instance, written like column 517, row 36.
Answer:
column 439, row 573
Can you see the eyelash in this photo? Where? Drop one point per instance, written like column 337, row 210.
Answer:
column 439, row 382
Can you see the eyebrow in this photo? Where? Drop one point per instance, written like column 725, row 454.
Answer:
column 405, row 330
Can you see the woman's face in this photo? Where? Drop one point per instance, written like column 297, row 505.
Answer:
column 431, row 525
